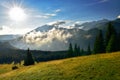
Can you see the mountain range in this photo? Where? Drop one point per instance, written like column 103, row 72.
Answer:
column 56, row 38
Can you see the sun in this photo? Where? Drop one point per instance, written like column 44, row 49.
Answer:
column 17, row 14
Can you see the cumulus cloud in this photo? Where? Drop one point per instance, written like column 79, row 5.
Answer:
column 57, row 23
column 47, row 38
column 118, row 16
column 67, row 24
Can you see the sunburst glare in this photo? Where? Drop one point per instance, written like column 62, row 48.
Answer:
column 17, row 14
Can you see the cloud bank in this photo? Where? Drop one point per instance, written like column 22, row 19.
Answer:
column 47, row 37
column 5, row 30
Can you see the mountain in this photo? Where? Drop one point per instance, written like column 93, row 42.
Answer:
column 101, row 24
column 4, row 38
column 55, row 38
column 94, row 67
column 94, row 24
column 4, row 41
column 48, row 42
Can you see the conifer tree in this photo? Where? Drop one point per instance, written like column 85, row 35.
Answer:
column 118, row 37
column 88, row 50
column 110, row 31
column 99, row 44
column 111, row 39
column 75, row 50
column 82, row 51
column 29, row 59
column 70, row 50
column 79, row 52
column 112, row 45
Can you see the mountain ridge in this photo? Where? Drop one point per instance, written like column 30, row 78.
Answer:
column 52, row 37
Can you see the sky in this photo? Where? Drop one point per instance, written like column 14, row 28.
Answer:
column 41, row 12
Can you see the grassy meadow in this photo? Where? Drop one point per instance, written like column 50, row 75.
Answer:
column 93, row 67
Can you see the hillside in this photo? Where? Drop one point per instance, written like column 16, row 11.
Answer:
column 94, row 67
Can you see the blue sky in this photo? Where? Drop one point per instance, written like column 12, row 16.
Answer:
column 41, row 12
column 79, row 9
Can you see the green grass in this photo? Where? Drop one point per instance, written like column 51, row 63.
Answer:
column 5, row 68
column 94, row 67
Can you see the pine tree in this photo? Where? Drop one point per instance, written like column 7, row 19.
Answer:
column 75, row 50
column 110, row 31
column 70, row 50
column 111, row 39
column 118, row 37
column 99, row 44
column 82, row 51
column 88, row 50
column 29, row 59
column 112, row 45
column 79, row 52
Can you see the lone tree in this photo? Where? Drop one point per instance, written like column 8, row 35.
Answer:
column 29, row 59
column 99, row 44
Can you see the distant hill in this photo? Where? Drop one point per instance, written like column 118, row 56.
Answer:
column 94, row 67
column 4, row 38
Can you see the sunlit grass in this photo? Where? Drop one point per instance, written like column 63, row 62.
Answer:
column 94, row 67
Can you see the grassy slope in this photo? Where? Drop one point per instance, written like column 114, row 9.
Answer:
column 94, row 67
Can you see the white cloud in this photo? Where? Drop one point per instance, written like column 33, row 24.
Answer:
column 53, row 36
column 41, row 16
column 45, row 16
column 57, row 10
column 97, row 2
column 7, row 30
column 57, row 23
column 50, row 15
column 68, row 24
column 118, row 16
column 102, row 1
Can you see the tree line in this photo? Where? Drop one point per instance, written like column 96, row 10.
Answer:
column 110, row 42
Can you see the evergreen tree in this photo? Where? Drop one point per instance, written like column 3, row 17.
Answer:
column 29, row 59
column 82, row 51
column 99, row 44
column 112, row 45
column 79, row 52
column 118, row 37
column 75, row 50
column 110, row 31
column 88, row 50
column 70, row 50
